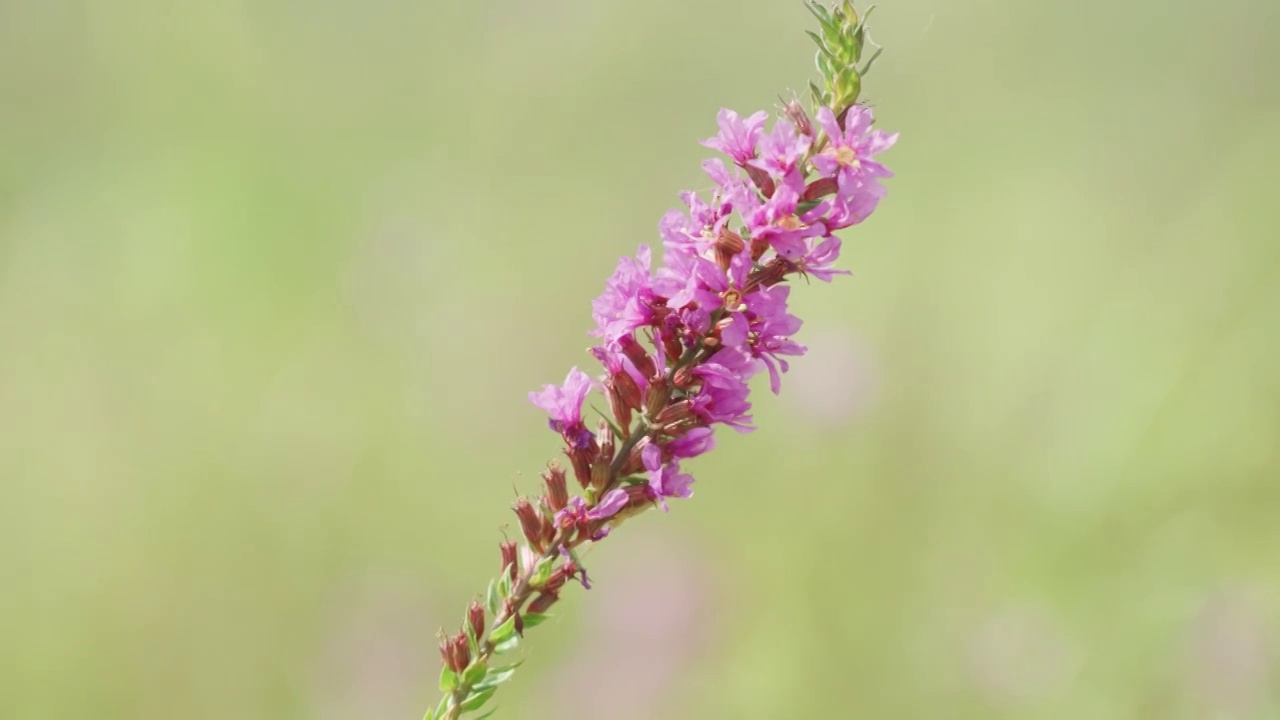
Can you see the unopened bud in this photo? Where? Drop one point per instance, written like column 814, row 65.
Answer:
column 446, row 653
column 637, row 355
column 475, row 618
column 618, row 406
column 727, row 244
column 675, row 413
column 459, row 653
column 758, row 247
column 635, row 461
column 581, row 462
column 798, row 117
column 684, row 378
column 557, row 578
column 671, row 344
column 627, row 389
column 600, row 473
column 509, row 564
column 557, row 494
column 605, row 439
column 819, row 189
column 768, row 276
column 531, row 523
column 638, row 496
column 761, row 180
column 659, row 393
column 543, row 602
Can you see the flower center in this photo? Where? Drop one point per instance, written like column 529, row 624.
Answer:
column 847, row 156
column 790, row 222
column 732, row 299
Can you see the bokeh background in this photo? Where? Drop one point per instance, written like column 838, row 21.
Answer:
column 276, row 277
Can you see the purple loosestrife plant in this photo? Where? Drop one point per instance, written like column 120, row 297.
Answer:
column 679, row 343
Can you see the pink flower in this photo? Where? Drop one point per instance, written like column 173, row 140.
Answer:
column 849, row 154
column 692, row 444
column 564, row 405
column 780, row 153
column 625, row 304
column 665, row 480
column 776, row 221
column 737, row 137
column 817, row 262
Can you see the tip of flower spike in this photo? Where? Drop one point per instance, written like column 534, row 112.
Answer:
column 842, row 38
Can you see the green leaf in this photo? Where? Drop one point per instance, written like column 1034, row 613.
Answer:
column 617, row 432
column 542, row 572
column 482, row 717
column 430, row 714
column 492, row 599
column 507, row 645
column 448, row 680
column 474, row 673
column 478, row 698
column 443, row 707
column 497, row 677
column 504, row 585
column 535, row 619
column 503, row 631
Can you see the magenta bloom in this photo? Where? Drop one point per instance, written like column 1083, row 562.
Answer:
column 692, row 444
column 737, row 137
column 776, row 221
column 665, row 480
column 818, row 261
column 849, row 154
column 781, row 151
column 723, row 396
column 576, row 511
column 564, row 405
column 624, row 306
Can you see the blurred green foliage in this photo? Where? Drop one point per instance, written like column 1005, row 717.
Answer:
column 275, row 278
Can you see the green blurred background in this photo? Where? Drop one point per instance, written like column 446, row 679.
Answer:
column 276, row 277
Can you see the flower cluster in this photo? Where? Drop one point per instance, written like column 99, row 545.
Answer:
column 680, row 342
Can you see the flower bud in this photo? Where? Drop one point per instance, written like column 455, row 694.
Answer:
column 675, row 413
column 446, row 652
column 557, row 494
column 557, row 578
column 509, row 564
column 605, row 439
column 581, row 462
column 531, row 523
column 475, row 618
column 671, row 345
column 459, row 653
column 684, row 378
column 638, row 496
column 761, row 180
column 600, row 473
column 627, row 389
column 727, row 244
column 637, row 355
column 659, row 392
column 543, row 602
column 768, row 276
column 794, row 112
column 758, row 247
column 819, row 189
column 618, row 406
column 635, row 461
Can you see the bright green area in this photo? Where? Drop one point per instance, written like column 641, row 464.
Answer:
column 276, row 277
